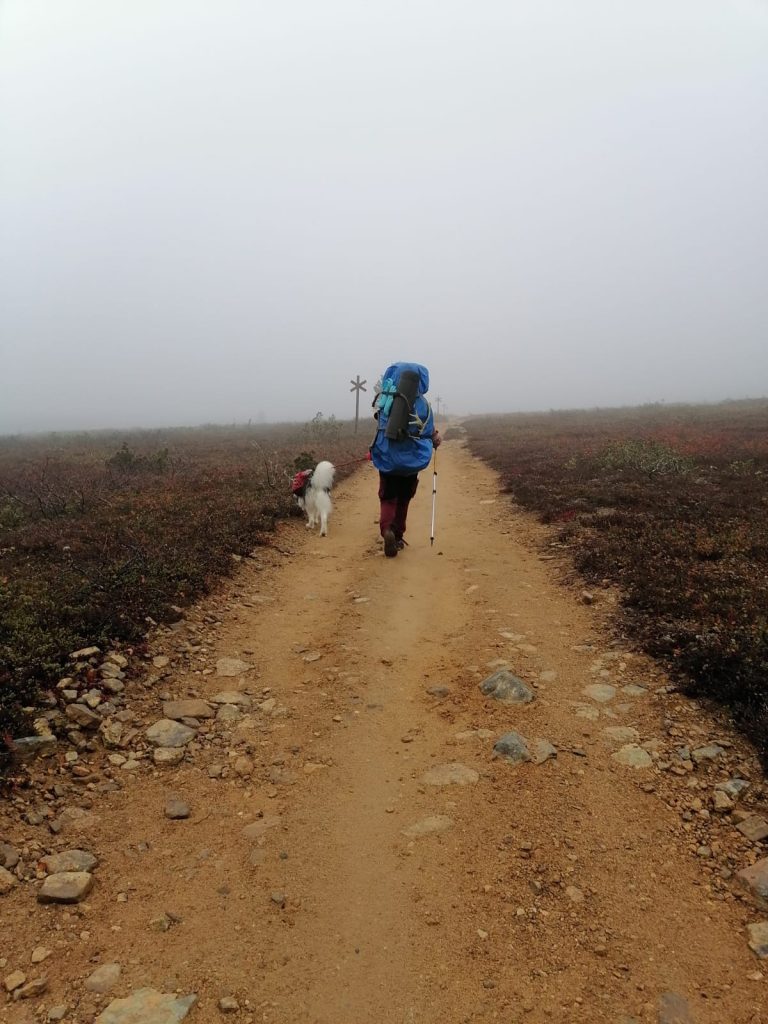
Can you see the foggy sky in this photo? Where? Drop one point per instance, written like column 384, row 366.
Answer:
column 211, row 211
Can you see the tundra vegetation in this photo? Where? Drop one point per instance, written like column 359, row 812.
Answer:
column 669, row 504
column 102, row 534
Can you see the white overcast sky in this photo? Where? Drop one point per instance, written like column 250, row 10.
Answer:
column 211, row 211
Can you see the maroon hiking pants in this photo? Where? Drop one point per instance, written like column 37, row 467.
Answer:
column 395, row 493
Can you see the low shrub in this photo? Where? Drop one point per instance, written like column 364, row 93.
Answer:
column 99, row 533
column 671, row 505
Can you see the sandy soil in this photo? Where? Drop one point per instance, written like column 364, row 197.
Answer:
column 563, row 891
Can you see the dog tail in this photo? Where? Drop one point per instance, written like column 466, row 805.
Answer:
column 322, row 477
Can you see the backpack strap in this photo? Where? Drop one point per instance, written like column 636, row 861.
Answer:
column 418, row 422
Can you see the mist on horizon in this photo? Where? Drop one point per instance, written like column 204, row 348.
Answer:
column 222, row 213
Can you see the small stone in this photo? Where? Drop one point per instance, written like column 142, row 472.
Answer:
column 621, row 733
column 633, row 690
column 278, row 898
column 85, row 654
column 103, row 979
column 574, row 895
column 112, row 733
column 228, row 1004
column 755, row 878
column 430, row 826
column 587, row 711
column 512, row 747
column 587, row 597
column 506, row 688
column 721, row 802
column 542, row 751
column 83, row 716
column 230, row 667
column 193, row 708
column 758, row 938
column 243, row 766
column 232, row 697
column 147, row 1006
column 673, row 1009
column 7, row 881
column 33, row 989
column 228, row 713
column 600, row 692
column 40, row 953
column 65, row 887
column 57, row 1013
column 161, row 661
column 70, row 860
column 633, row 756
column 755, row 828
column 9, row 855
column 167, row 733
column 27, row 748
column 176, row 809
column 168, row 755
column 711, row 752
column 438, row 691
column 474, row 734
column 14, row 981
column 733, row 787
column 453, row 774
column 162, row 923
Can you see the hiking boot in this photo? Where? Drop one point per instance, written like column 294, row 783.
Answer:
column 390, row 544
column 401, row 543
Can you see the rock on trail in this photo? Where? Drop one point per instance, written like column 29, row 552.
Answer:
column 506, row 688
column 66, row 887
column 191, row 708
column 167, row 733
column 69, row 860
column 230, row 667
column 147, row 1006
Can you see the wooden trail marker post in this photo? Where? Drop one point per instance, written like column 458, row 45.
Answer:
column 357, row 386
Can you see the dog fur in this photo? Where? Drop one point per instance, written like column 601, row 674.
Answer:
column 317, row 497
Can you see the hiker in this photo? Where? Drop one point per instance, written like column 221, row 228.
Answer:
column 405, row 438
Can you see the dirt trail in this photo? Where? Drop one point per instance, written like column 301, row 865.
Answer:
column 561, row 891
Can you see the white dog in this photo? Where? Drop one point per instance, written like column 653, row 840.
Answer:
column 316, row 499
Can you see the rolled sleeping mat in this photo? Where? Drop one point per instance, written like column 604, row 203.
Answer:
column 402, row 406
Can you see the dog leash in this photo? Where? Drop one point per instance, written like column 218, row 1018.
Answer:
column 352, row 462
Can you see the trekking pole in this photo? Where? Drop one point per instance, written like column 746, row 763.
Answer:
column 434, row 499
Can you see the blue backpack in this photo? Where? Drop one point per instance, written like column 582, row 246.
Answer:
column 403, row 442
